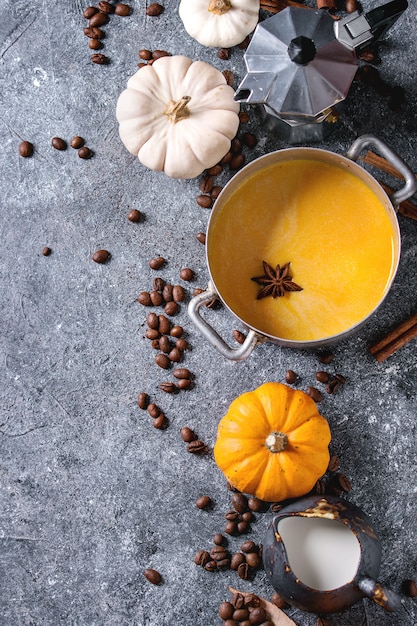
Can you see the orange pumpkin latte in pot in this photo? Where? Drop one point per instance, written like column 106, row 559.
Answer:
column 333, row 229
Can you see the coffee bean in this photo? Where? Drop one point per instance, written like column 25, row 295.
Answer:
column 223, row 54
column 219, row 539
column 157, row 262
column 93, row 33
column 409, row 587
column 334, row 463
column 178, row 293
column 154, row 9
column 171, row 308
column 156, row 298
column 226, row 610
column 122, row 10
column 211, row 566
column 158, row 283
column 26, row 149
column 105, row 7
column 244, row 117
column 278, row 600
column 175, row 355
column 203, row 502
column 215, row 170
column 344, row 482
column 177, row 331
column 351, row 6
column 99, row 59
column 153, row 409
column 237, row 559
column 143, row 400
column 153, row 576
column 152, row 320
column 230, row 528
column 101, row 256
column 144, row 298
column 196, row 447
column 182, row 372
column 77, row 142
column 232, row 516
column 160, row 422
column 243, row 571
column 229, row 76
column 58, row 143
column 239, row 336
column 202, row 557
column 239, row 502
column 206, row 184
column 186, row 273
column 226, row 158
column 46, row 251
column 182, row 344
column 95, row 44
column 325, row 357
column 290, row 377
column 258, row 616
column 206, row 202
column 236, row 146
column 248, row 516
column 162, row 361
column 164, row 325
column 218, row 553
column 167, row 292
column 253, row 560
column 145, row 54
column 314, row 393
column 98, row 19
column 155, row 344
column 240, row 614
column 187, row 434
column 165, row 344
column 215, row 192
column 157, row 54
column 257, row 505
column 168, row 387
column 89, row 12
column 322, row 377
column 238, row 600
column 152, row 332
column 237, row 161
column 85, row 153
column 201, row 237
column 249, row 139
column 243, row 527
column 134, row 215
column 248, row 546
column 320, row 487
column 184, row 384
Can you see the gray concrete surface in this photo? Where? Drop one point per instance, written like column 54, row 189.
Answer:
column 90, row 493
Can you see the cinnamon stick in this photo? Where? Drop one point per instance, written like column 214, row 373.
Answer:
column 405, row 208
column 382, row 164
column 275, row 6
column 395, row 339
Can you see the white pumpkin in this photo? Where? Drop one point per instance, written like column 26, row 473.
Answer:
column 219, row 23
column 178, row 116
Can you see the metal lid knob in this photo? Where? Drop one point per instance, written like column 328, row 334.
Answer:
column 301, row 50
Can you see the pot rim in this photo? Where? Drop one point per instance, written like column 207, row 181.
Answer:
column 314, row 154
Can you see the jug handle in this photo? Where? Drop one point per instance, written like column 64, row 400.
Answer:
column 393, row 158
column 382, row 596
column 233, row 354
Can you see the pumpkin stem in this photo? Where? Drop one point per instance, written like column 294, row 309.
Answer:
column 276, row 442
column 177, row 111
column 219, row 7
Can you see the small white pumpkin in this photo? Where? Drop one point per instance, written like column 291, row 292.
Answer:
column 178, row 116
column 219, row 23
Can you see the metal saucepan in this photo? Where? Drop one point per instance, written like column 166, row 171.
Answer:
column 348, row 162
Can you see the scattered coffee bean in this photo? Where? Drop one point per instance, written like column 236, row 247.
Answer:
column 243, row 571
column 153, row 576
column 58, row 143
column 152, row 321
column 258, row 616
column 154, row 9
column 98, row 19
column 244, row 117
column 89, row 12
column 314, row 393
column 164, row 325
column 156, row 298
column 410, row 588
column 175, row 355
column 325, row 357
column 224, row 54
column 165, row 344
column 226, row 158
column 184, row 384
column 160, row 422
column 230, row 527
column 257, row 505
column 158, row 283
column 95, row 44
column 211, row 566
column 239, row 502
column 153, row 409
column 187, row 434
column 229, row 76
column 239, row 336
column 145, row 298
column 157, row 54
column 248, row 516
column 351, row 6
column 105, row 7
column 215, row 170
column 171, row 308
column 186, row 273
column 219, row 539
column 249, row 139
column 168, row 387
column 202, row 557
column 290, row 377
column 196, row 447
column 226, row 610
column 206, row 202
column 237, row 559
column 320, row 487
column 101, row 256
column 163, row 361
column 46, row 251
column 236, row 146
column 278, row 600
column 93, row 33
column 203, row 502
column 243, row 527
column 201, row 237
column 239, row 615
column 145, row 54
column 99, row 59
column 177, row 331
column 85, row 153
column 237, row 161
column 322, row 377
column 334, row 463
column 122, row 9
column 182, row 344
column 77, row 142
column 182, row 372
column 254, row 560
column 134, row 215
column 26, row 149
column 167, row 292
column 206, row 184
column 143, row 400
column 344, row 482
column 157, row 262
column 248, row 546
column 215, row 192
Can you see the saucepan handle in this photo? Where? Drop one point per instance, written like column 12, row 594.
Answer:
column 233, row 354
column 382, row 596
column 366, row 141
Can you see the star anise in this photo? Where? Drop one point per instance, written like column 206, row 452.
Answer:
column 275, row 282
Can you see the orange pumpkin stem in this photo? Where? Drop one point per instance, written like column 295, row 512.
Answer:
column 276, row 442
column 177, row 111
column 219, row 7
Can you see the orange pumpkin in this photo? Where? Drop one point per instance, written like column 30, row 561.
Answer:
column 273, row 443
